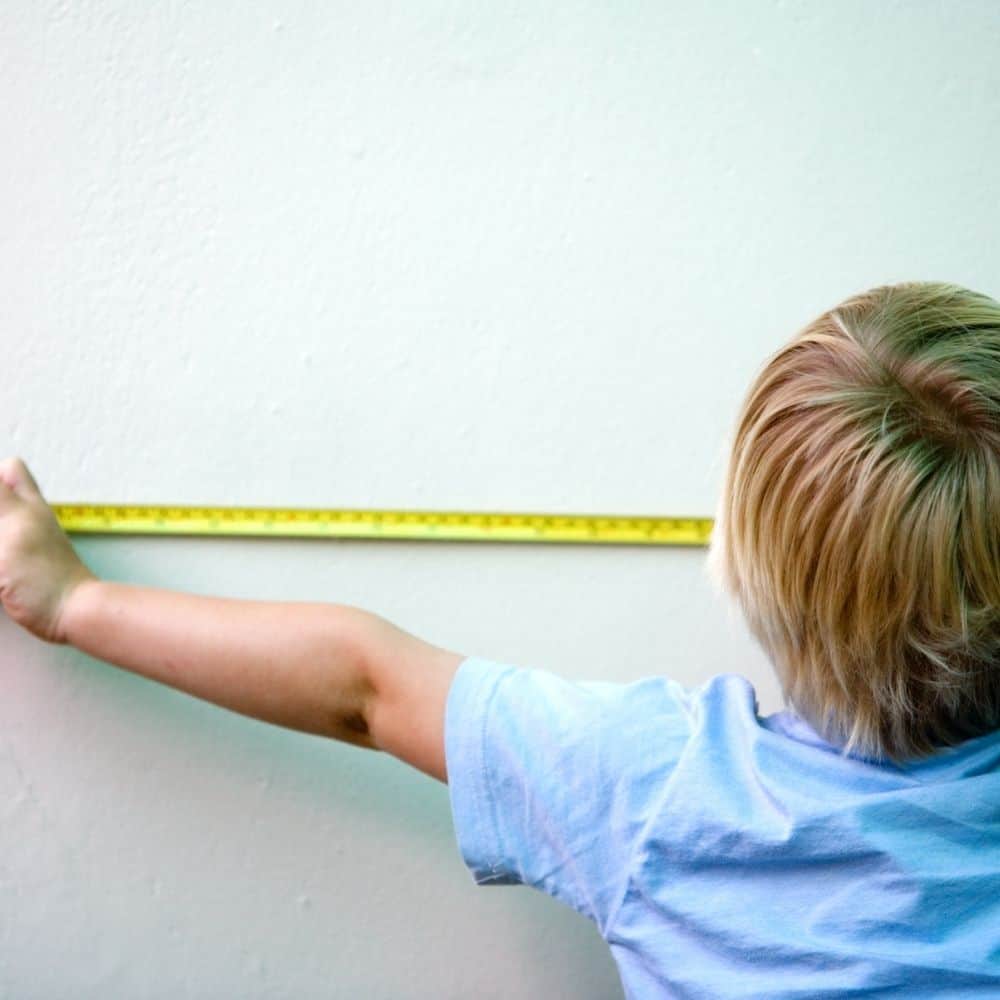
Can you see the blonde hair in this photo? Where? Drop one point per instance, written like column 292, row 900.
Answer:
column 859, row 524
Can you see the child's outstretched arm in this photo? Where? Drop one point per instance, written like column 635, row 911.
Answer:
column 329, row 669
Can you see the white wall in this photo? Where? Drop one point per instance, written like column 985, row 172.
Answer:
column 521, row 256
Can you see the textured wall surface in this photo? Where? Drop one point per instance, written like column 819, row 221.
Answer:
column 521, row 256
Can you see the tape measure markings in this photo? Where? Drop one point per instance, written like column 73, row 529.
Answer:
column 487, row 526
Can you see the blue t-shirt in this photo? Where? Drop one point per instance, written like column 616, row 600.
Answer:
column 722, row 854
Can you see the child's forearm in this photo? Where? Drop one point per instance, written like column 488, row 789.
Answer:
column 295, row 664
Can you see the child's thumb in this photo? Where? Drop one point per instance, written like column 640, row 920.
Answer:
column 15, row 478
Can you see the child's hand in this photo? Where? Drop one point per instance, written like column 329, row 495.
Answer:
column 39, row 568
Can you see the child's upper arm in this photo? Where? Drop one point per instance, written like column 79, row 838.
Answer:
column 408, row 684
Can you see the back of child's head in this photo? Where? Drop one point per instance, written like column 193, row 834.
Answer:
column 859, row 524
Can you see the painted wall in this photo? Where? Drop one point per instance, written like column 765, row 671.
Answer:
column 473, row 256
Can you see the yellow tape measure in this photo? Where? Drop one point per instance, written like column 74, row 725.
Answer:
column 432, row 525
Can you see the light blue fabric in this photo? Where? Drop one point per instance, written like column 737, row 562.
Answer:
column 722, row 854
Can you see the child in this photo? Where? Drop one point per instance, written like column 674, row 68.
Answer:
column 847, row 846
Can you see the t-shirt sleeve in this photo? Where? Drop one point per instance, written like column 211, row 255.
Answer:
column 551, row 781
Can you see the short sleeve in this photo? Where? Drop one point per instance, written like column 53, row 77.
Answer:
column 552, row 781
